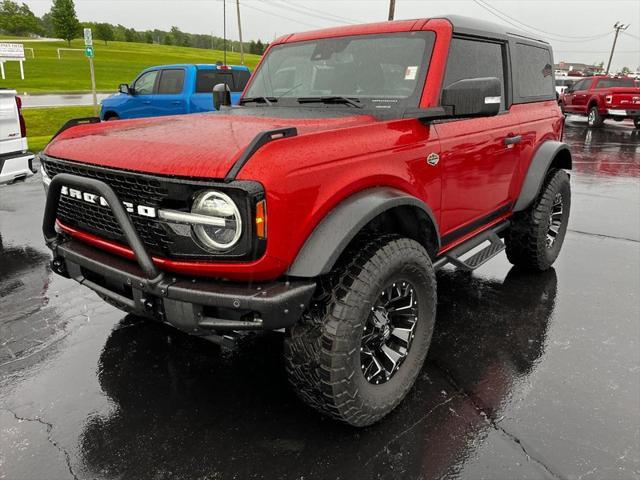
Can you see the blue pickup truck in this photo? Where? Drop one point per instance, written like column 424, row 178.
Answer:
column 173, row 90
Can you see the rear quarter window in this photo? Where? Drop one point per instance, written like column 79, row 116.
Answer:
column 533, row 72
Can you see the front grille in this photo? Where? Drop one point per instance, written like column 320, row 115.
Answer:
column 160, row 238
column 98, row 220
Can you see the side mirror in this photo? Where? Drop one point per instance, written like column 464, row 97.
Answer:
column 221, row 96
column 124, row 88
column 473, row 97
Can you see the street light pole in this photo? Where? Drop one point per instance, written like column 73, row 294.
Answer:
column 240, row 33
column 392, row 9
column 618, row 26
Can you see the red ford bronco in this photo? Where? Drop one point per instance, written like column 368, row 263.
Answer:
column 602, row 97
column 360, row 160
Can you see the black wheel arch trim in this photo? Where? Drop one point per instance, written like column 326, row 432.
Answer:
column 334, row 233
column 540, row 164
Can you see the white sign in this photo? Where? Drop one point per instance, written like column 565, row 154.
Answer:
column 11, row 51
column 88, row 40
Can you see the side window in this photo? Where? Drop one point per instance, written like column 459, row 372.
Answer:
column 207, row 79
column 171, row 81
column 475, row 59
column 581, row 85
column 533, row 72
column 240, row 77
column 144, row 84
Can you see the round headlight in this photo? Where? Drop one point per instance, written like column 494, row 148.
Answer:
column 219, row 205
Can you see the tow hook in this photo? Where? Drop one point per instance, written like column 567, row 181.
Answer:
column 59, row 266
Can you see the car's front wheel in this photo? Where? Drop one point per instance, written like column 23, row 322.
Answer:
column 358, row 350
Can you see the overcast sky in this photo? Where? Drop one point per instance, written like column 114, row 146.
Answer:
column 579, row 30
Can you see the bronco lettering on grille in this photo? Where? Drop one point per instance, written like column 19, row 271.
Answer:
column 94, row 199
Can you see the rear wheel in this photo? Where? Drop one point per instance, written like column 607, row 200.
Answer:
column 359, row 348
column 111, row 116
column 636, row 122
column 594, row 118
column 536, row 234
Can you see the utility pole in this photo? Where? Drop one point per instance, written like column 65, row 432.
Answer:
column 224, row 29
column 392, row 9
column 240, row 33
column 618, row 26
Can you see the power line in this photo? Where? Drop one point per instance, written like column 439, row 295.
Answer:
column 499, row 15
column 303, row 12
column 578, row 37
column 316, row 13
column 266, row 12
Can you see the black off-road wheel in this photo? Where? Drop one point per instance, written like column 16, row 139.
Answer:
column 536, row 234
column 594, row 118
column 358, row 349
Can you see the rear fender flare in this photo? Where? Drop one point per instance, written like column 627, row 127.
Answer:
column 334, row 233
column 543, row 159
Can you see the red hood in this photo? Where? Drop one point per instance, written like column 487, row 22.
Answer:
column 201, row 145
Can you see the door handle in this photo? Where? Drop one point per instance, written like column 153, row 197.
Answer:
column 512, row 140
column 176, row 102
column 147, row 102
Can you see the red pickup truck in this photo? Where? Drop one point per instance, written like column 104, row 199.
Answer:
column 359, row 161
column 602, row 97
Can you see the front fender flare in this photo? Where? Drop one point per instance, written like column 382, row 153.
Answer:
column 332, row 235
column 540, row 164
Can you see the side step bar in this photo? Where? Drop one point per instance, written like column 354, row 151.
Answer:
column 454, row 256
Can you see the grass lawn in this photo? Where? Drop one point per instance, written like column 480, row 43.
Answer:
column 115, row 63
column 42, row 123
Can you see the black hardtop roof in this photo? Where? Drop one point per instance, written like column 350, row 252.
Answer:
column 484, row 28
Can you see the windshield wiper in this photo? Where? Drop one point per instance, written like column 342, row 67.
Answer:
column 334, row 99
column 267, row 100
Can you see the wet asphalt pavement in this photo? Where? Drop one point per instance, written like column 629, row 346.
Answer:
column 529, row 376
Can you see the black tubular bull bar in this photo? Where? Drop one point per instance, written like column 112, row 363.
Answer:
column 198, row 306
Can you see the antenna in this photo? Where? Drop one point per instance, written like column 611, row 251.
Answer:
column 224, row 29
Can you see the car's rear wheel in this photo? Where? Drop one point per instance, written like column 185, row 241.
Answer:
column 536, row 234
column 594, row 118
column 111, row 116
column 358, row 350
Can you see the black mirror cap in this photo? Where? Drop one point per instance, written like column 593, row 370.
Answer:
column 221, row 96
column 473, row 97
column 124, row 88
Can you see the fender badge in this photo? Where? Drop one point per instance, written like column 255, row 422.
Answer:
column 433, row 159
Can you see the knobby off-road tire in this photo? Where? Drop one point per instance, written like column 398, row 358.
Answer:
column 594, row 118
column 527, row 240
column 323, row 351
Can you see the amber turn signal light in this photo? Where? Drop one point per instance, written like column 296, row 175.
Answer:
column 261, row 219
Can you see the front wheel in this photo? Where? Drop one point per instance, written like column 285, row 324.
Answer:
column 594, row 118
column 536, row 234
column 359, row 348
column 636, row 122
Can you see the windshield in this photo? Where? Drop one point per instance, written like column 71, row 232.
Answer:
column 377, row 71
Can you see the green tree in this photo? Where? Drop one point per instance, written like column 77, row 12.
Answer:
column 18, row 19
column 104, row 32
column 65, row 21
column 130, row 35
column 148, row 37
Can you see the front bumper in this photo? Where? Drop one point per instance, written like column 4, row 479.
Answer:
column 196, row 306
